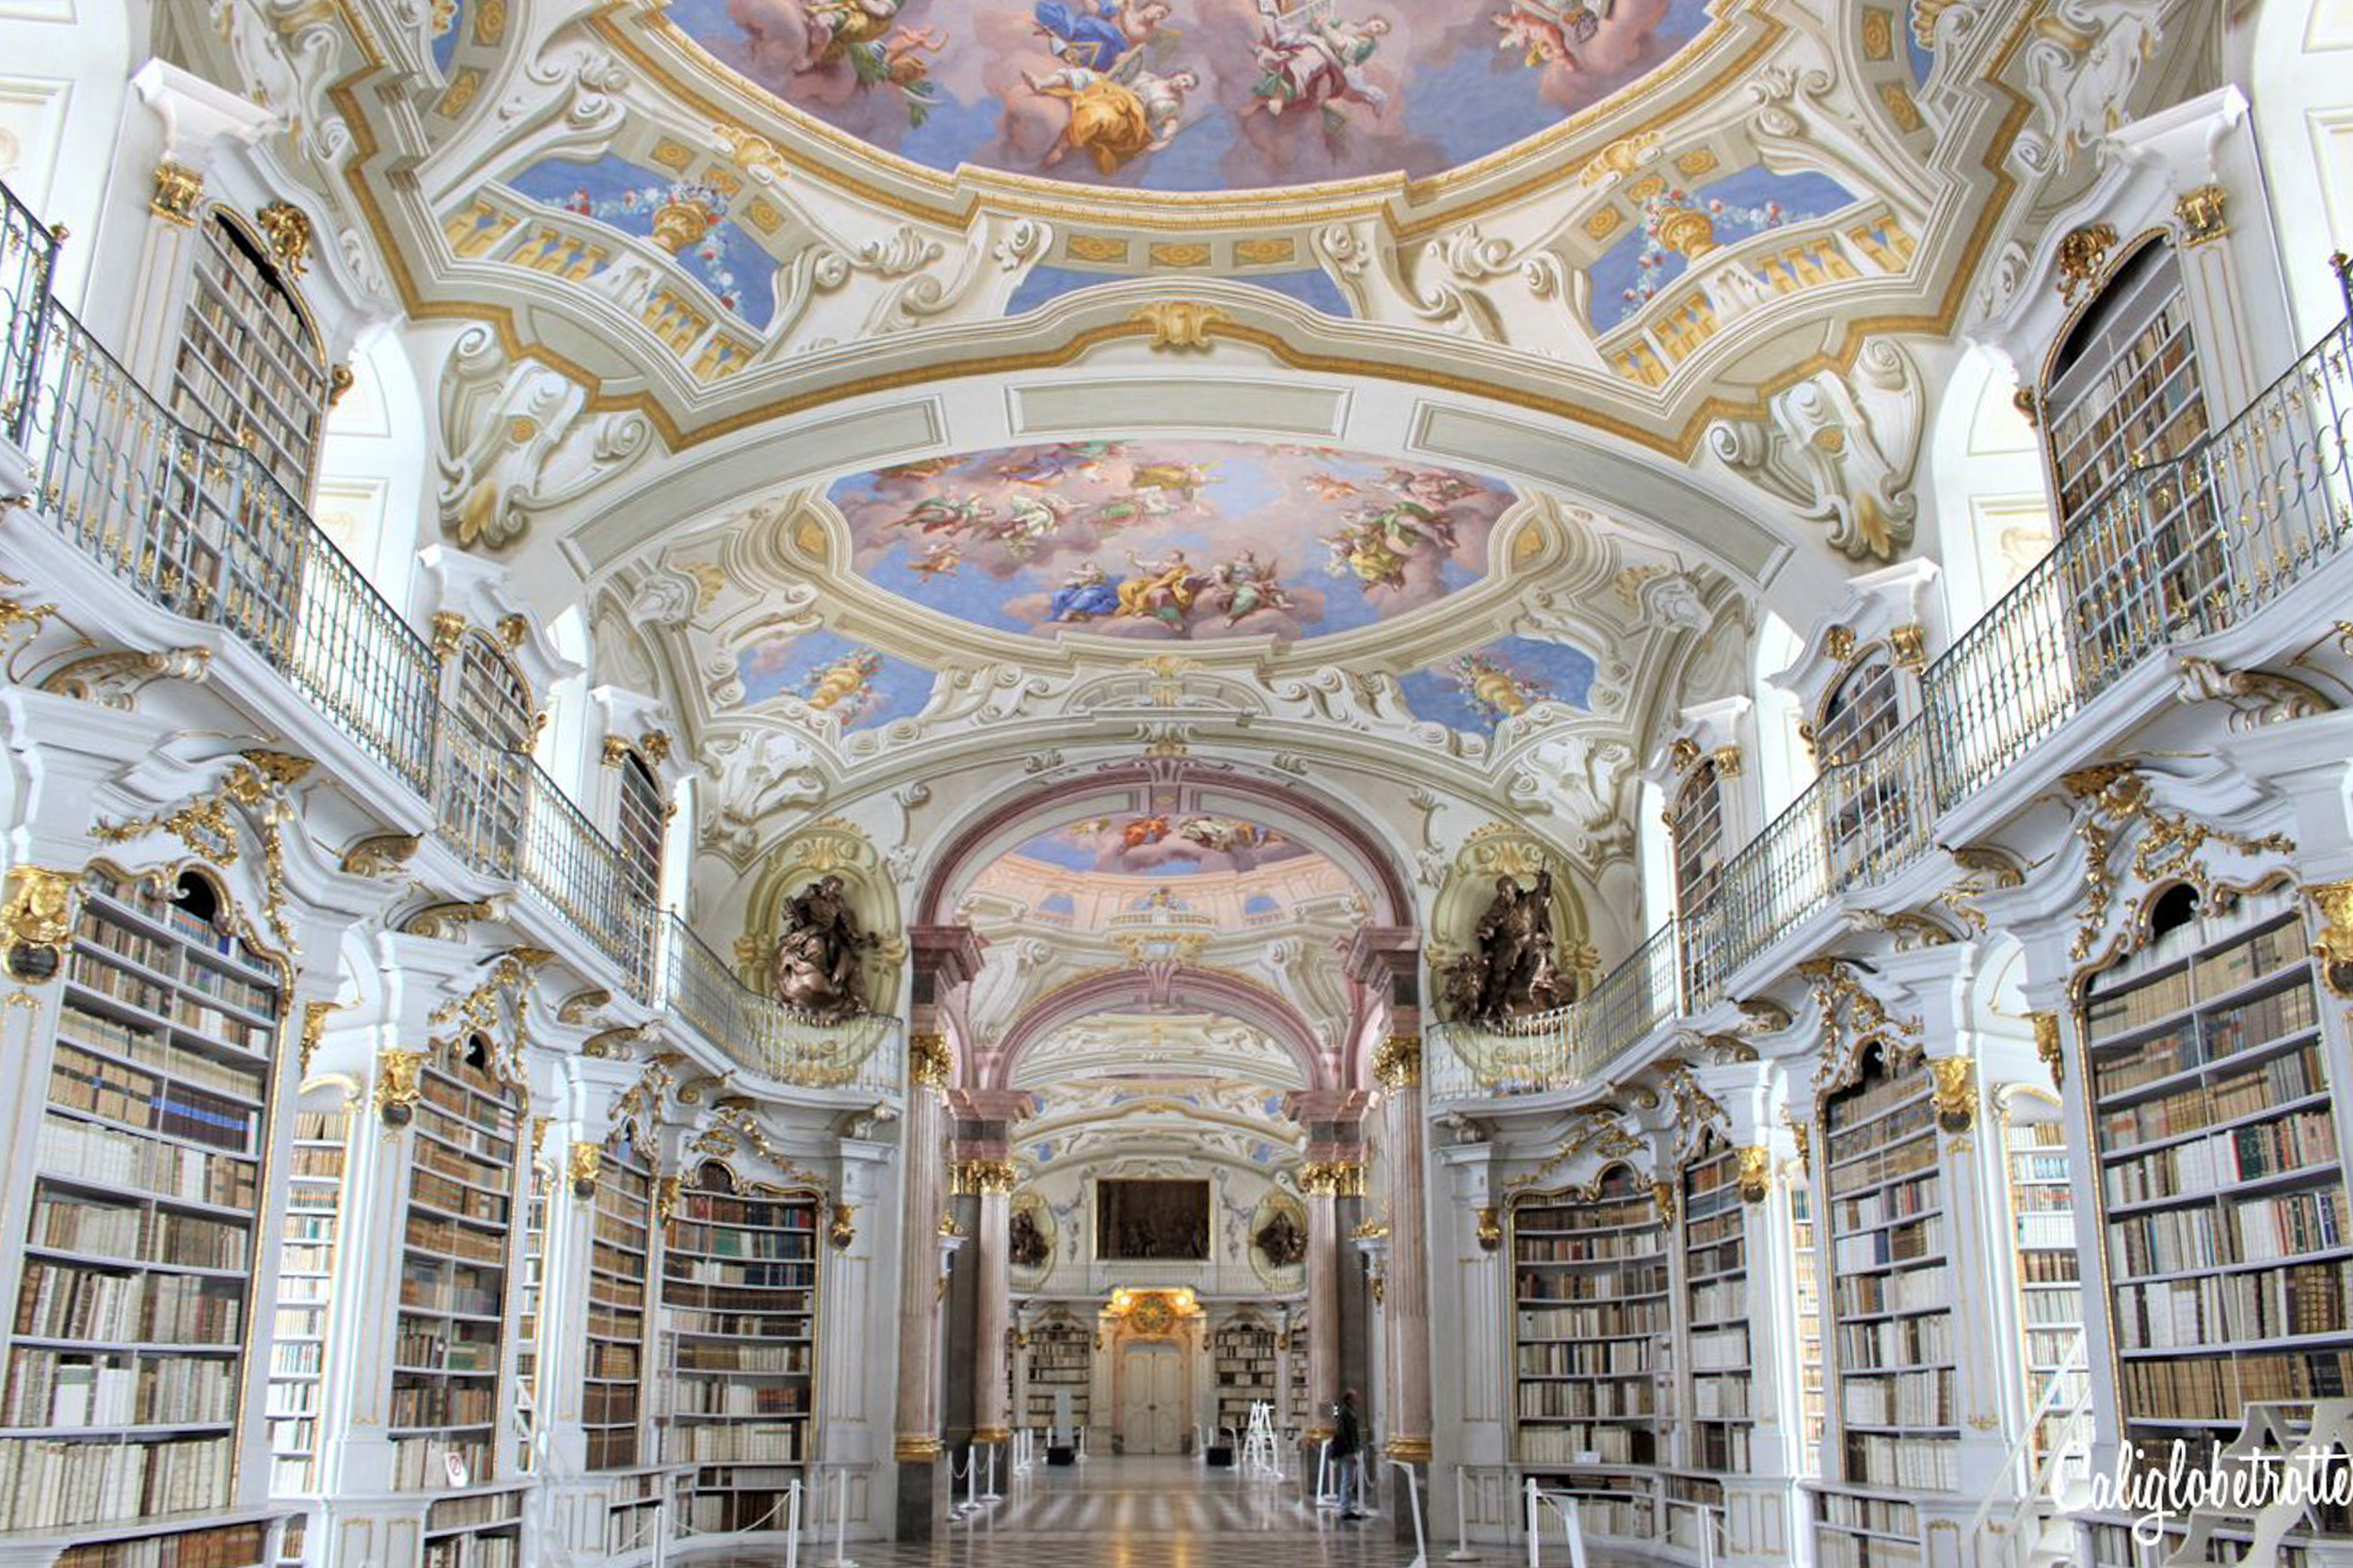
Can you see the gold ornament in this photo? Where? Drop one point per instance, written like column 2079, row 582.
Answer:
column 2203, row 216
column 1755, row 1172
column 1397, row 1064
column 1490, row 1228
column 38, row 921
column 2046, row 1046
column 398, row 1085
column 1343, row 1179
column 929, row 1061
column 583, row 1165
column 1955, row 1093
column 967, row 1177
column 2082, row 256
column 287, row 227
column 178, row 189
column 843, row 1229
column 2333, row 943
column 1179, row 325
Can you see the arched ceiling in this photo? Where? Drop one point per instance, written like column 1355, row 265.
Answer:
column 1118, row 1083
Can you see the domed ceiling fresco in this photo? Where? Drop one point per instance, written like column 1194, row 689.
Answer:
column 1192, row 95
column 1162, row 844
column 1162, row 541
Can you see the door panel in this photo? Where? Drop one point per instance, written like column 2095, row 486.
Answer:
column 1153, row 1400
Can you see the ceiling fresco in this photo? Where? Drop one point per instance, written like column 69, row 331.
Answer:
column 1192, row 95
column 1163, row 845
column 826, row 673
column 1170, row 540
column 1478, row 690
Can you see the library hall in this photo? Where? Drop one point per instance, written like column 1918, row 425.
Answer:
column 624, row 943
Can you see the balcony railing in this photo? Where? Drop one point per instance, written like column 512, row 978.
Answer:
column 196, row 526
column 2170, row 552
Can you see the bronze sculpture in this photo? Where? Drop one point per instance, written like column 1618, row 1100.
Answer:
column 1025, row 1242
column 1281, row 1240
column 1509, row 971
column 817, row 962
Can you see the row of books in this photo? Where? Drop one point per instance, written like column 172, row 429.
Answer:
column 2241, row 964
column 475, row 1513
column 71, row 1224
column 166, row 958
column 419, row 1462
column 476, row 1170
column 730, row 1299
column 761, row 1276
column 1905, row 1464
column 1719, row 1300
column 1702, row 1230
column 1923, row 1398
column 481, row 1103
column 611, row 1231
column 704, row 1356
column 1555, row 1401
column 793, row 1325
column 608, row 1404
column 726, row 1396
column 1871, row 1164
column 296, row 1359
column 1901, row 1243
column 2278, row 1081
column 1610, row 1247
column 231, row 1546
column 1907, row 1290
column 448, row 1239
column 1865, row 1102
column 2210, row 1042
column 1593, row 1358
column 1592, row 1322
column 454, row 1134
column 1896, row 1342
column 440, row 1192
column 2252, row 1230
column 468, row 1404
column 1721, row 1400
column 1898, row 1201
column 2054, row 1306
column 1587, row 1444
column 148, row 1048
column 427, row 1344
column 60, row 1301
column 49, row 1484
column 2219, row 1388
column 51, row 1388
column 725, row 1242
column 759, row 1215
column 1535, row 1219
column 107, row 1157
column 1720, row 1350
column 768, row 1443
column 2233, row 1309
column 1632, row 1282
column 2294, row 1142
column 434, row 1295
column 609, row 1360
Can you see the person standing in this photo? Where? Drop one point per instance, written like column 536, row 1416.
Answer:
column 1348, row 1440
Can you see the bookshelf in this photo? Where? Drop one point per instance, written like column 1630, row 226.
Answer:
column 127, row 1349
column 1244, row 1360
column 1061, row 1356
column 250, row 370
column 1715, row 1301
column 2050, row 1283
column 739, row 1307
column 305, row 1280
column 454, row 1302
column 244, row 1545
column 1591, row 1315
column 529, row 1283
column 1295, row 1417
column 1890, row 1329
column 620, row 1247
column 1807, row 1278
column 2222, row 1196
column 481, row 1530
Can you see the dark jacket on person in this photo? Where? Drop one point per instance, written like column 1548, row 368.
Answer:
column 1346, row 1436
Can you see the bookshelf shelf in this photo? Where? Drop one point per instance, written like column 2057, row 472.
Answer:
column 1061, row 1356
column 739, row 1315
column 1716, row 1303
column 621, row 1234
column 1245, row 1363
column 1890, row 1335
column 124, row 1404
column 455, row 1271
column 2222, row 1194
column 1591, row 1320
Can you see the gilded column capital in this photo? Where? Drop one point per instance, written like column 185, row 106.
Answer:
column 448, row 628
column 1755, row 1173
column 398, row 1085
column 1397, row 1063
column 1490, row 1228
column 1331, row 1178
column 2046, row 1046
column 967, row 1177
column 178, row 189
column 929, row 1060
column 583, row 1164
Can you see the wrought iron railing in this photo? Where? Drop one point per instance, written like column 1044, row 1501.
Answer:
column 198, row 527
column 2175, row 551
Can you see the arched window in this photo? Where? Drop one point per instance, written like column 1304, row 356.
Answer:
column 639, row 820
column 492, row 706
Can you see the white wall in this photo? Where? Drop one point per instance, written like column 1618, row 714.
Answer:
column 2302, row 84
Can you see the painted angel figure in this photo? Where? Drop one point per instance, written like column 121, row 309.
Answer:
column 1433, row 488
column 1544, row 31
column 1161, row 590
column 1033, row 518
column 1115, row 116
column 1084, row 595
column 1311, row 58
column 1097, row 34
column 1246, row 584
column 939, row 514
column 836, row 25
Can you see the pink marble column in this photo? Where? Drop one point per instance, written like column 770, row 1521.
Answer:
column 917, row 1440
column 1320, row 1183
column 1398, row 1067
column 994, row 1183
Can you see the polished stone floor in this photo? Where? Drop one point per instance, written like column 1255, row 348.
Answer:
column 1144, row 1513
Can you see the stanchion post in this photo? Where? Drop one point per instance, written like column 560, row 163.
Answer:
column 793, row 1525
column 1535, row 1528
column 1413, row 1501
column 1462, row 1552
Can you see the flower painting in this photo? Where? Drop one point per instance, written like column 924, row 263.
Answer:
column 1160, row 541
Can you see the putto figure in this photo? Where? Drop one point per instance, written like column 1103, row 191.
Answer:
column 818, row 957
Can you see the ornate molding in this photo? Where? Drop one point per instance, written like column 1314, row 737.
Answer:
column 381, row 853
column 314, row 1017
column 1328, row 1178
column 2083, row 256
column 1489, row 1220
column 2333, row 944
column 399, row 1085
column 2112, row 797
column 915, row 1451
column 38, row 921
column 287, row 227
column 1955, row 1093
column 446, row 921
column 1180, row 326
column 991, row 1177
column 2255, row 698
column 930, row 1062
column 1397, row 1061
column 841, row 1229
column 177, row 191
column 1755, row 1173
column 116, row 679
column 2046, row 1046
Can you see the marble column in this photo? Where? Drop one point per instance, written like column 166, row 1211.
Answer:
column 1397, row 1065
column 1320, row 1183
column 993, row 1180
column 922, row 1498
